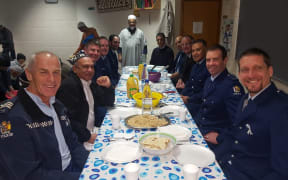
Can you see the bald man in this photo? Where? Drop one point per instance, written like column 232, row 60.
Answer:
column 36, row 139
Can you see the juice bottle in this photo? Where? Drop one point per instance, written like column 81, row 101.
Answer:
column 132, row 86
column 140, row 70
column 146, row 96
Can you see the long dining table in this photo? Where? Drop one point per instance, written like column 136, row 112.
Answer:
column 151, row 166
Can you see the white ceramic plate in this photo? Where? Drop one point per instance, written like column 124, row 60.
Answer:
column 193, row 154
column 121, row 152
column 179, row 132
column 170, row 108
column 124, row 112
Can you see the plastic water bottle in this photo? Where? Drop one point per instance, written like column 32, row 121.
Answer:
column 145, row 72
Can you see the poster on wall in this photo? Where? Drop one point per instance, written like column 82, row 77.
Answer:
column 227, row 33
column 113, row 5
column 198, row 27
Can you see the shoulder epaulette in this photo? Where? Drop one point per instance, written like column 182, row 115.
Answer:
column 6, row 106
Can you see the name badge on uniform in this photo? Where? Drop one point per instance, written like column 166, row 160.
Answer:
column 6, row 106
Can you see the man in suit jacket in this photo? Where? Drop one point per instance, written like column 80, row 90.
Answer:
column 85, row 99
column 188, row 62
column 256, row 147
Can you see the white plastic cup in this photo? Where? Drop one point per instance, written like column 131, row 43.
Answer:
column 131, row 171
column 162, row 87
column 115, row 118
column 190, row 171
column 164, row 74
column 182, row 114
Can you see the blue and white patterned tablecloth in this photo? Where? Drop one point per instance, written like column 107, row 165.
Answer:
column 151, row 167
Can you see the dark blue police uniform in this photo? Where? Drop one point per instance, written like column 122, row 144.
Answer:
column 103, row 67
column 256, row 147
column 194, row 86
column 29, row 148
column 220, row 101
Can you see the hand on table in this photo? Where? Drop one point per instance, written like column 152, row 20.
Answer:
column 174, row 75
column 104, row 81
column 185, row 99
column 180, row 84
column 211, row 137
column 92, row 138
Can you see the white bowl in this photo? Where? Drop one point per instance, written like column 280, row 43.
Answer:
column 168, row 149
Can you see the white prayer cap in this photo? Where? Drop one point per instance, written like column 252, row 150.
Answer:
column 131, row 17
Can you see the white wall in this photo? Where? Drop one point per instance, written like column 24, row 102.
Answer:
column 38, row 26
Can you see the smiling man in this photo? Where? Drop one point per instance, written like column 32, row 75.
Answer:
column 222, row 93
column 84, row 98
column 192, row 92
column 256, row 147
column 36, row 139
column 104, row 66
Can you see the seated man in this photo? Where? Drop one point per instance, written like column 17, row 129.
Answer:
column 5, row 81
column 37, row 141
column 115, row 51
column 193, row 89
column 83, row 98
column 104, row 66
column 256, row 145
column 163, row 55
column 177, row 64
column 16, row 69
column 221, row 95
column 188, row 61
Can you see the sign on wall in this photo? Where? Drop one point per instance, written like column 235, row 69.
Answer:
column 113, row 5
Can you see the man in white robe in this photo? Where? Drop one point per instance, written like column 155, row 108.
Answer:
column 132, row 43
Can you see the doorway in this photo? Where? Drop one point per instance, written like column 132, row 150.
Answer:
column 201, row 19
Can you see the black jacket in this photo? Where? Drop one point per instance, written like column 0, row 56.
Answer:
column 72, row 95
column 29, row 147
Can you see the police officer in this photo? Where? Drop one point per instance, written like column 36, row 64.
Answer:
column 221, row 95
column 256, row 147
column 193, row 89
column 104, row 67
column 36, row 139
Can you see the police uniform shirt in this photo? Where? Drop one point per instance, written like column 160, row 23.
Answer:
column 50, row 111
column 256, row 146
column 221, row 96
